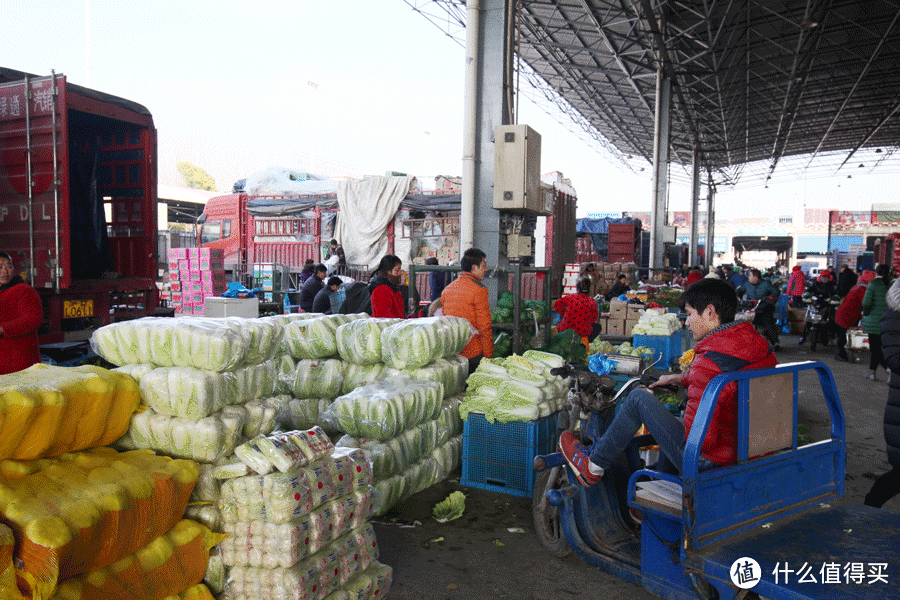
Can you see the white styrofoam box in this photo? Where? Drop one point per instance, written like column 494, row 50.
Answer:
column 231, row 307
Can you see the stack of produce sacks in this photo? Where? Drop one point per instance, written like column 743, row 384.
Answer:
column 656, row 321
column 47, row 411
column 298, row 526
column 109, row 515
column 406, row 429
column 199, row 405
column 517, row 388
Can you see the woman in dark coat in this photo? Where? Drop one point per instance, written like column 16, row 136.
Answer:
column 888, row 485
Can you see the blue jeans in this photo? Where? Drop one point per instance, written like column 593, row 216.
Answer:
column 642, row 407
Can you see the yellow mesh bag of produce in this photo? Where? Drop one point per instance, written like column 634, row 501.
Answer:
column 47, row 411
column 8, row 590
column 166, row 566
column 195, row 592
column 88, row 510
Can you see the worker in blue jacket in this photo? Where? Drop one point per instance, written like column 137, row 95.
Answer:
column 762, row 290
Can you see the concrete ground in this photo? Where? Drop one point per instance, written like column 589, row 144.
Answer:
column 492, row 551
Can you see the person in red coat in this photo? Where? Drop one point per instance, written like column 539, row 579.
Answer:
column 849, row 312
column 723, row 345
column 384, row 287
column 579, row 311
column 693, row 276
column 20, row 316
column 796, row 286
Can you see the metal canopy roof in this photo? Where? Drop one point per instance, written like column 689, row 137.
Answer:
column 788, row 84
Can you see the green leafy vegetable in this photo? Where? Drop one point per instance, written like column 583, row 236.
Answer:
column 450, row 508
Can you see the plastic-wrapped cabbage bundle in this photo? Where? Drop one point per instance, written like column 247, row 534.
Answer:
column 215, row 570
column 262, row 415
column 262, row 337
column 394, row 456
column 270, row 545
column 208, row 488
column 315, row 379
column 435, row 467
column 384, row 409
column 285, row 319
column 359, row 342
column 284, row 451
column 203, row 440
column 60, row 512
column 317, row 337
column 188, row 392
column 303, row 413
column 552, row 361
column 212, row 344
column 415, row 343
column 449, row 422
column 135, row 371
column 255, row 381
column 359, row 375
column 281, row 497
column 451, row 373
column 350, row 560
column 284, row 364
column 47, row 411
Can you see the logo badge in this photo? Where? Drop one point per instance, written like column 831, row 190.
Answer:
column 745, row 573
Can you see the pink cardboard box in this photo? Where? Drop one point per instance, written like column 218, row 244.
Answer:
column 179, row 309
column 213, row 288
column 195, row 276
column 209, row 275
column 175, row 285
column 194, row 253
column 176, row 254
column 184, row 266
column 177, row 297
column 197, row 298
column 199, row 309
column 210, row 265
column 211, row 254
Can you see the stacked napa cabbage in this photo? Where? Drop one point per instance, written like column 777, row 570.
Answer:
column 315, row 337
column 655, row 321
column 385, row 409
column 414, row 343
column 414, row 460
column 359, row 342
column 517, row 388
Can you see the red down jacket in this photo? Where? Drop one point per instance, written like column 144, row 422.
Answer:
column 734, row 347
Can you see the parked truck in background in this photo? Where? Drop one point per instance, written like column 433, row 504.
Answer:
column 286, row 230
column 78, row 178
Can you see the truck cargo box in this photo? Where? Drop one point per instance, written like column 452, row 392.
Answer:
column 78, row 201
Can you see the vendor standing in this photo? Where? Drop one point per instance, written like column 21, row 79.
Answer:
column 20, row 317
column 467, row 297
column 579, row 311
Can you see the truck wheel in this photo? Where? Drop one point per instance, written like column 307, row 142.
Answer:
column 547, row 524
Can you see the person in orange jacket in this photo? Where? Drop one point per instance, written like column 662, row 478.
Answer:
column 467, row 297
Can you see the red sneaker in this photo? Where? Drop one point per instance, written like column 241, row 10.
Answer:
column 577, row 457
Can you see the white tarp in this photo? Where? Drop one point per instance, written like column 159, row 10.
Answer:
column 366, row 208
column 278, row 180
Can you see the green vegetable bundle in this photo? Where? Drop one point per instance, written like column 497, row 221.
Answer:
column 317, row 337
column 384, row 409
column 451, row 372
column 315, row 379
column 359, row 341
column 415, row 343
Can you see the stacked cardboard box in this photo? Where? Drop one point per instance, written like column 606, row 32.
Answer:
column 264, row 279
column 194, row 274
column 570, row 278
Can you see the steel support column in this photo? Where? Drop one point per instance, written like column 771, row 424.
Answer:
column 660, row 170
column 695, row 203
column 710, row 224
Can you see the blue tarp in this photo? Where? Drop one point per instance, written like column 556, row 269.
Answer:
column 598, row 230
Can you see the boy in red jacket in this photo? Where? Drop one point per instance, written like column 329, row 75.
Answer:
column 723, row 345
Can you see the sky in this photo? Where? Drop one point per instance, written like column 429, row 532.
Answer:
column 338, row 88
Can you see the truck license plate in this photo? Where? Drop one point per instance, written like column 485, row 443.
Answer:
column 73, row 309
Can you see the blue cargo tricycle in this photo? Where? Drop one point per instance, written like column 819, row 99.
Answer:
column 768, row 526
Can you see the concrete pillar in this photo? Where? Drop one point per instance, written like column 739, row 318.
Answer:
column 695, row 203
column 710, row 224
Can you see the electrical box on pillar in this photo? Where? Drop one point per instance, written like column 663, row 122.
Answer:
column 517, row 170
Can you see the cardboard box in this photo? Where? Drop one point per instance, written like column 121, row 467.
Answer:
column 603, row 322
column 418, row 260
column 214, row 275
column 176, row 254
column 212, row 288
column 175, row 285
column 195, row 276
column 184, row 266
column 211, row 254
column 618, row 309
column 232, row 307
column 199, row 309
column 616, row 326
column 634, row 311
column 176, row 298
column 194, row 254
column 206, row 264
column 629, row 326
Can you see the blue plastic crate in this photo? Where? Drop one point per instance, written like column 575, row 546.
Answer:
column 669, row 347
column 500, row 457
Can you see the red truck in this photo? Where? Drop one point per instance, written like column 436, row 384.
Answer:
column 78, row 201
